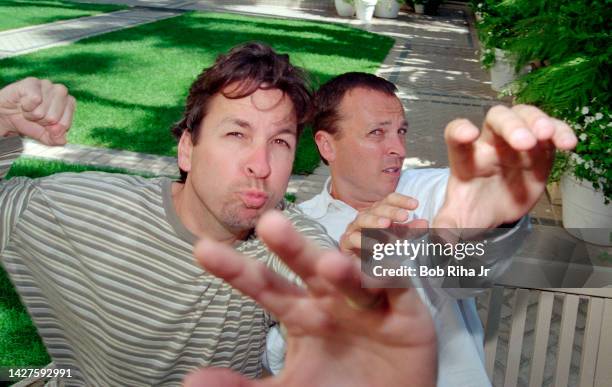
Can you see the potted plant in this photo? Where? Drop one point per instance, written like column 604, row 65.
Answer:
column 365, row 9
column 419, row 6
column 345, row 8
column 586, row 184
column 495, row 30
column 388, row 9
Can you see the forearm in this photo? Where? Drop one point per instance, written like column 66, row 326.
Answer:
column 502, row 244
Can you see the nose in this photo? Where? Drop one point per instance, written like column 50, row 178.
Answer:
column 396, row 146
column 257, row 164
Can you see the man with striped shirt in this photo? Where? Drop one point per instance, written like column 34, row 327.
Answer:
column 104, row 262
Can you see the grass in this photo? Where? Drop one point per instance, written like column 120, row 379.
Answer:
column 22, row 13
column 20, row 345
column 35, row 168
column 131, row 84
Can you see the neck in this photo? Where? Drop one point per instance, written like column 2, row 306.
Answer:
column 344, row 193
column 196, row 217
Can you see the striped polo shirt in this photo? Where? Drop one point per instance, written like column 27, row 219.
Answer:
column 105, row 269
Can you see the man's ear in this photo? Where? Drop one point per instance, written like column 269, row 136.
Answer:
column 185, row 147
column 326, row 144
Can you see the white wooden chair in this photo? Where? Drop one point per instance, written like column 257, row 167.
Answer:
column 595, row 364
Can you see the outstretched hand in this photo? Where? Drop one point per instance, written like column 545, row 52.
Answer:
column 37, row 109
column 499, row 173
column 332, row 340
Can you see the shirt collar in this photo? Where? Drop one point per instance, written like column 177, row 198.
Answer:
column 324, row 203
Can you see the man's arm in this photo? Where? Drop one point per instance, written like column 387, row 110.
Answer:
column 332, row 340
column 10, row 149
column 33, row 108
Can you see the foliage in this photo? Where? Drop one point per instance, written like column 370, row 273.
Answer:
column 592, row 160
column 570, row 45
column 495, row 29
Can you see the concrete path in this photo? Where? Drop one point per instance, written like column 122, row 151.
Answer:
column 28, row 39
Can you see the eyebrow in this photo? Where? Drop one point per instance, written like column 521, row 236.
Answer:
column 404, row 124
column 245, row 125
column 237, row 121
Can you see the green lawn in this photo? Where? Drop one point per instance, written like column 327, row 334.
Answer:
column 131, row 84
column 23, row 13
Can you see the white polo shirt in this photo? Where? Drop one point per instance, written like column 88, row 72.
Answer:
column 459, row 330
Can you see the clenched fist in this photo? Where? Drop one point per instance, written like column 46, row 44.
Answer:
column 38, row 109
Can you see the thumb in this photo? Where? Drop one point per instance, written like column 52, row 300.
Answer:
column 26, row 127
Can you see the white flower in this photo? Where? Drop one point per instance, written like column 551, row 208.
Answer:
column 587, row 165
column 583, row 137
column 589, row 119
column 585, row 110
column 479, row 5
column 598, row 116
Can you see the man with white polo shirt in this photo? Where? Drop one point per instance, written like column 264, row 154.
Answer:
column 496, row 175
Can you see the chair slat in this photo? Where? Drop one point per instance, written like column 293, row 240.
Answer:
column 496, row 298
column 603, row 371
column 542, row 333
column 590, row 343
column 517, row 332
column 566, row 340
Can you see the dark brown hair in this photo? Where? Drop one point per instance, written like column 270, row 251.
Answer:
column 329, row 96
column 252, row 66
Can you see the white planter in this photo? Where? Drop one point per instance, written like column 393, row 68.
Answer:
column 388, row 9
column 419, row 8
column 502, row 72
column 584, row 208
column 365, row 9
column 344, row 9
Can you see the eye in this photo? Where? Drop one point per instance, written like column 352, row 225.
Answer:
column 236, row 134
column 376, row 132
column 402, row 131
column 280, row 141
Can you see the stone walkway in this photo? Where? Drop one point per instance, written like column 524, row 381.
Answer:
column 28, row 39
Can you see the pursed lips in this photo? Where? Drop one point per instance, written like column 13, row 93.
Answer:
column 253, row 198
